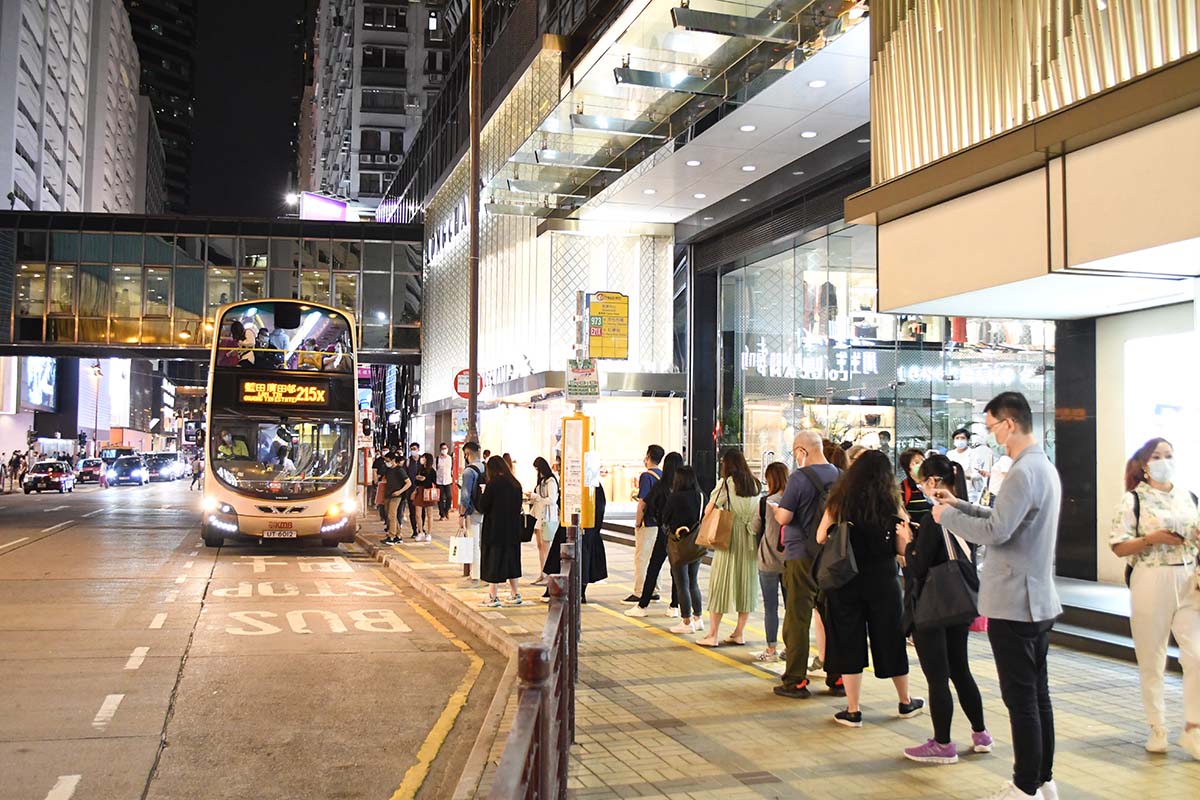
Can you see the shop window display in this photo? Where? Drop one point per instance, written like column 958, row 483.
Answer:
column 805, row 347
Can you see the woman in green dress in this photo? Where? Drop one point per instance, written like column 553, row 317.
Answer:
column 733, row 579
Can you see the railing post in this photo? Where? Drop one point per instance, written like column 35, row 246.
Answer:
column 533, row 668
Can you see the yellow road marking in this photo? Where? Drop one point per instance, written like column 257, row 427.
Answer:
column 415, row 776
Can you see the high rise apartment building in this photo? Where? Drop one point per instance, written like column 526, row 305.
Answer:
column 165, row 34
column 378, row 67
column 111, row 140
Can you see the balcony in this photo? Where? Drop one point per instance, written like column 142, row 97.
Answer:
column 437, row 39
column 382, row 76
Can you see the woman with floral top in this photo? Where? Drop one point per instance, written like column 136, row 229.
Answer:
column 1157, row 530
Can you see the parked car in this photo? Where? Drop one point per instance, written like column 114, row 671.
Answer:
column 89, row 470
column 128, row 469
column 46, row 475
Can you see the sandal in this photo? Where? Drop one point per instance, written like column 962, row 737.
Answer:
column 703, row 643
column 731, row 641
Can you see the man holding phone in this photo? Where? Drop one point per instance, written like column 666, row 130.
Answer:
column 1017, row 591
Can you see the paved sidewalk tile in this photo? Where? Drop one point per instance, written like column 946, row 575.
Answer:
column 659, row 716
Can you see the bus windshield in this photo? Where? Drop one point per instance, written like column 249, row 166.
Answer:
column 289, row 458
column 285, row 335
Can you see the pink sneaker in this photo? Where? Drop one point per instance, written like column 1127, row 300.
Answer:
column 981, row 742
column 932, row 753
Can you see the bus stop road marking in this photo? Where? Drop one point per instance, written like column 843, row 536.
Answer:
column 64, row 787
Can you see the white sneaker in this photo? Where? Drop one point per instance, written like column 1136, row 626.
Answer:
column 672, row 612
column 1049, row 790
column 1190, row 742
column 1157, row 741
column 698, row 624
column 636, row 611
column 1009, row 791
column 683, row 627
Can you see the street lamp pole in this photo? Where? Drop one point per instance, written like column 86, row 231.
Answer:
column 97, row 373
column 475, row 112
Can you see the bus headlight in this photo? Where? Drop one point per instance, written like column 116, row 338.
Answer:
column 209, row 504
column 220, row 516
column 337, row 517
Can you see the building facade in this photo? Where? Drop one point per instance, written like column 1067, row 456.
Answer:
column 45, row 62
column 150, row 177
column 165, row 34
column 378, row 66
column 111, row 145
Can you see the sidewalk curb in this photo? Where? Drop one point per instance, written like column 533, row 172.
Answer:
column 477, row 760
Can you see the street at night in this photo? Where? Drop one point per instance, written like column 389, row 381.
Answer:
column 139, row 663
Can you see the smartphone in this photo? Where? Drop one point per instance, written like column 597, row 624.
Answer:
column 773, row 503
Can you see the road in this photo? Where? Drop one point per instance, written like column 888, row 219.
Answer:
column 138, row 663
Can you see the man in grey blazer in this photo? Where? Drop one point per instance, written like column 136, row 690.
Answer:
column 1017, row 592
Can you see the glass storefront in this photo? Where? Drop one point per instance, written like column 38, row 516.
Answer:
column 804, row 347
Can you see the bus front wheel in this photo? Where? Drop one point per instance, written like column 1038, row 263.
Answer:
column 212, row 539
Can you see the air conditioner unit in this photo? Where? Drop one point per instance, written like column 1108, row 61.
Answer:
column 364, row 158
column 380, row 159
column 394, row 158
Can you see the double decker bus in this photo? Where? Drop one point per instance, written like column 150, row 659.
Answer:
column 280, row 420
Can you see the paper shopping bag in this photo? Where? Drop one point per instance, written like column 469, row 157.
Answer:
column 462, row 550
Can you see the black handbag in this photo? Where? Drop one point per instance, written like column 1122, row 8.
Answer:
column 681, row 543
column 835, row 564
column 950, row 592
column 530, row 526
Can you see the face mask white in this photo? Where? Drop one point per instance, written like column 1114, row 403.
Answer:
column 1161, row 471
column 960, row 444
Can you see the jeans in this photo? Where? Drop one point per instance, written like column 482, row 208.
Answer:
column 1020, row 651
column 650, row 580
column 643, row 544
column 443, row 500
column 686, row 578
column 943, row 656
column 771, row 583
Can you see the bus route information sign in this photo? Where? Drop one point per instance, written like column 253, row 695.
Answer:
column 583, row 381
column 608, row 325
column 283, row 393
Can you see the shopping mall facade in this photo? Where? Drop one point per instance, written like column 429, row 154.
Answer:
column 789, row 258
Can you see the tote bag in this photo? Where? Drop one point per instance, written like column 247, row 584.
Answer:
column 835, row 565
column 462, row 551
column 950, row 592
column 716, row 528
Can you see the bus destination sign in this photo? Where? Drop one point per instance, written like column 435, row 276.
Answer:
column 283, row 393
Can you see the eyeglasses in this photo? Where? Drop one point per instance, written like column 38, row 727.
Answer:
column 991, row 427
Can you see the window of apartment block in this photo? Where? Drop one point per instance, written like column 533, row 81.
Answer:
column 370, row 141
column 370, row 183
column 379, row 57
column 384, row 18
column 386, row 100
column 396, row 141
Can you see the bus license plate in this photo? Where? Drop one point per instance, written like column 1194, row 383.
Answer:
column 278, row 534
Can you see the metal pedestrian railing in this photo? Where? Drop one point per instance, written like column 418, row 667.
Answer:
column 534, row 761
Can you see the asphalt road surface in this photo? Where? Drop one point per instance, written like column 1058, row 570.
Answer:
column 137, row 663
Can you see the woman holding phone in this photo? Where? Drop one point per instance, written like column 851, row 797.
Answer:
column 1156, row 530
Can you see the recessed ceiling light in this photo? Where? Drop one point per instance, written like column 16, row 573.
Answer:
column 798, row 172
column 744, row 200
column 693, row 163
column 748, row 128
column 808, row 135
column 864, row 141
column 649, row 191
column 749, row 168
column 817, row 84
column 708, row 219
column 699, row 195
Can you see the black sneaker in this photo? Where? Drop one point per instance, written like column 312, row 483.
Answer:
column 797, row 690
column 631, row 600
column 837, row 689
column 912, row 708
column 848, row 718
column 654, row 598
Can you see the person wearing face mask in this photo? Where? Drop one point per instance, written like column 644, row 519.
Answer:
column 231, row 448
column 915, row 504
column 445, row 476
column 1017, row 592
column 1157, row 530
column 962, row 455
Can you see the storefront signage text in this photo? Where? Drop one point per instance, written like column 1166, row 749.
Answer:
column 809, row 366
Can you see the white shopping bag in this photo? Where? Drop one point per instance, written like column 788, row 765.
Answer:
column 462, row 550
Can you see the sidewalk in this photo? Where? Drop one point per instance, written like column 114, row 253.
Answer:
column 659, row 716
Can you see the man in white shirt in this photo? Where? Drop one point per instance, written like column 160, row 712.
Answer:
column 968, row 459
column 445, row 476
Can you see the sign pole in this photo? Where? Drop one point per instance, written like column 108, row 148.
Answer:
column 475, row 113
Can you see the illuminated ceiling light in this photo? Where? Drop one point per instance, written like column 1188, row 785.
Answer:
column 692, row 163
column 617, row 125
column 708, row 219
column 762, row 30
column 744, row 200
column 748, row 128
column 699, row 195
column 808, row 135
column 798, row 172
column 291, row 198
column 649, row 191
column 864, row 141
column 817, row 84
column 749, row 168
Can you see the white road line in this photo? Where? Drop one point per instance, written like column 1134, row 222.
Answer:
column 158, row 621
column 56, row 508
column 14, row 541
column 188, row 564
column 136, row 657
column 94, row 513
column 108, row 709
column 170, row 598
column 181, row 579
column 64, row 787
column 59, row 526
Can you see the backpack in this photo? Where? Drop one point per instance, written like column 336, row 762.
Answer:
column 477, row 489
column 770, row 554
column 822, row 499
column 1137, row 526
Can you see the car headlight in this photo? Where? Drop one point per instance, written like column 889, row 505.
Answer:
column 111, row 474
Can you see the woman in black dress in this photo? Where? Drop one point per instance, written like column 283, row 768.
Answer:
column 593, row 562
column 500, row 535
